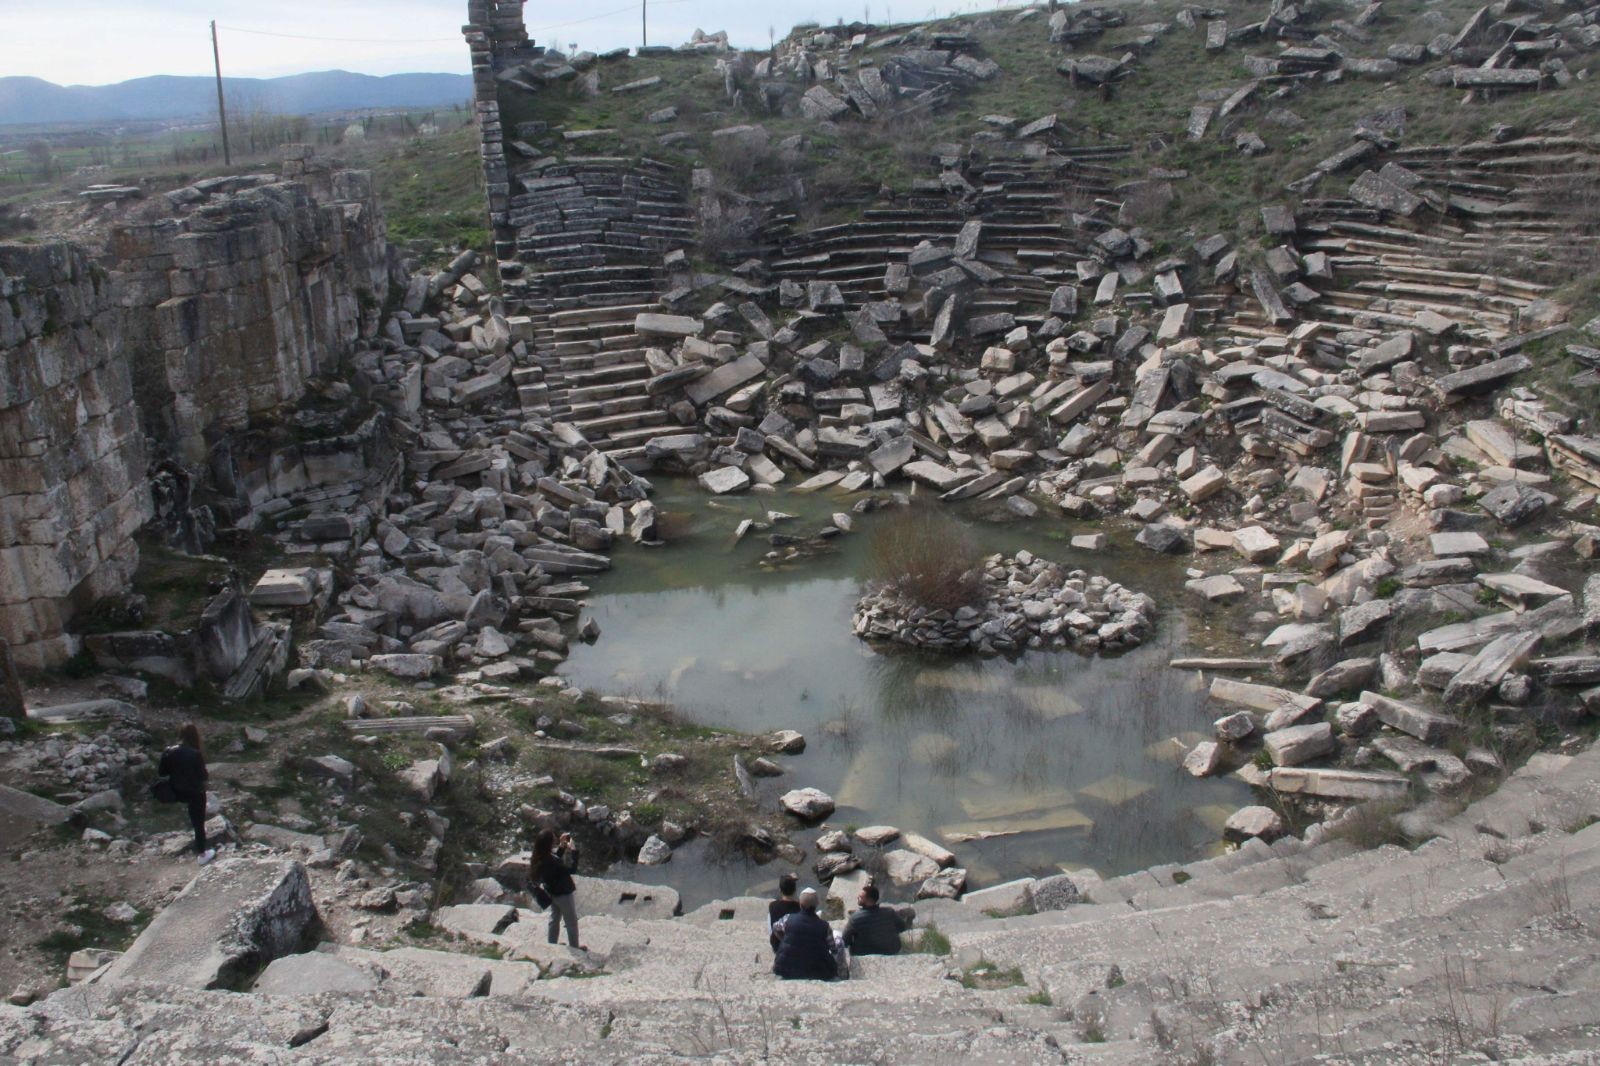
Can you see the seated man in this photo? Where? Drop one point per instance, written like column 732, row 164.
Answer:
column 805, row 944
column 873, row 930
column 782, row 907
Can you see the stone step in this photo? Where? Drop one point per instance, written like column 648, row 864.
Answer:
column 601, row 315
column 610, row 399
column 618, row 423
column 626, row 439
column 595, row 360
column 605, row 375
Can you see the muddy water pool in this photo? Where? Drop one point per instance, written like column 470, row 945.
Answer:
column 1055, row 760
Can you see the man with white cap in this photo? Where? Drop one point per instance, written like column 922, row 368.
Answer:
column 805, row 944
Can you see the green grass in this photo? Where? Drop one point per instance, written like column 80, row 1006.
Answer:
column 87, row 927
column 987, row 976
column 932, row 942
column 432, row 190
column 1040, row 998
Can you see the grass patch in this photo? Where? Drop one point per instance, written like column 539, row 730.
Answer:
column 86, row 926
column 932, row 942
column 1373, row 824
column 1040, row 998
column 986, row 976
column 431, row 189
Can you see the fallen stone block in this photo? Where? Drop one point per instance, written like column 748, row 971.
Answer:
column 1338, row 784
column 1427, row 726
column 312, row 973
column 285, row 588
column 235, row 917
column 650, row 324
column 407, row 666
column 1299, row 743
column 724, row 480
column 1259, row 822
column 22, row 812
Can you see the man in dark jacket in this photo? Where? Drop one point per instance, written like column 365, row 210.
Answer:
column 780, row 908
column 805, row 946
column 873, row 930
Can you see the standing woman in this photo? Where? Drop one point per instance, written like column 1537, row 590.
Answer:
column 185, row 764
column 555, row 860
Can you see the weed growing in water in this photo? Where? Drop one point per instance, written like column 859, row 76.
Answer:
column 927, row 557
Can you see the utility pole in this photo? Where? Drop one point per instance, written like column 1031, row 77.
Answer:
column 644, row 25
column 222, row 107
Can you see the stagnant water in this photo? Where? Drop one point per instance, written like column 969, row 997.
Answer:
column 1071, row 755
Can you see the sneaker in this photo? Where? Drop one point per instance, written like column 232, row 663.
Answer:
column 207, row 855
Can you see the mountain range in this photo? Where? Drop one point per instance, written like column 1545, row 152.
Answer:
column 34, row 100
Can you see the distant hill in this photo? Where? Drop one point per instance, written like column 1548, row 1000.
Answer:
column 34, row 100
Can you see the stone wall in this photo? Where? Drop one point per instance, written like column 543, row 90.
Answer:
column 72, row 459
column 495, row 34
column 207, row 316
column 235, row 303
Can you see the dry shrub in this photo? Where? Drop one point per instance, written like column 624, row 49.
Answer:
column 929, row 558
column 728, row 227
column 1373, row 824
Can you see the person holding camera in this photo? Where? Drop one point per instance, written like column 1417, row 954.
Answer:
column 555, row 860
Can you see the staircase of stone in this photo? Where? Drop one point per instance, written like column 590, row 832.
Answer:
column 590, row 234
column 1021, row 202
column 1502, row 205
column 1479, row 944
column 591, row 363
column 583, row 213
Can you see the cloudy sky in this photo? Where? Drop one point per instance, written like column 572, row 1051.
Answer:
column 94, row 42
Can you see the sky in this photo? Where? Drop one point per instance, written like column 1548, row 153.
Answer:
column 97, row 42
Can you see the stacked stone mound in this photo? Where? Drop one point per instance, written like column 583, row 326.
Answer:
column 1027, row 603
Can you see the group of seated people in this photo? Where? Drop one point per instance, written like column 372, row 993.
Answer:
column 806, row 946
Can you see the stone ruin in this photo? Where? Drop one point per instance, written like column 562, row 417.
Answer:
column 131, row 378
column 1329, row 408
column 1288, row 403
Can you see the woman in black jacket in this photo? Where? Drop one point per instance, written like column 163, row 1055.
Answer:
column 185, row 764
column 555, row 860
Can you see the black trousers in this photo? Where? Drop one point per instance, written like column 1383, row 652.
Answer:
column 197, row 818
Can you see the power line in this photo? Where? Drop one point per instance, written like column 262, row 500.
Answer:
column 433, row 40
column 347, row 40
column 596, row 18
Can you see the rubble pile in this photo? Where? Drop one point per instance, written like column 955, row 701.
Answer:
column 1330, row 410
column 1026, row 603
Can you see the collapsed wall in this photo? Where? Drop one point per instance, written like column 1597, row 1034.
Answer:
column 212, row 308
column 72, row 459
column 236, row 304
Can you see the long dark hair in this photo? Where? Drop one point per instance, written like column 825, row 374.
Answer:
column 190, row 735
column 544, row 845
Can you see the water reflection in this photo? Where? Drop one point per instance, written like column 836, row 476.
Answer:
column 1057, row 760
